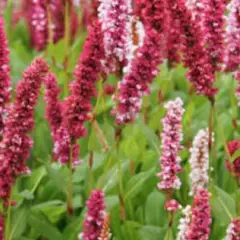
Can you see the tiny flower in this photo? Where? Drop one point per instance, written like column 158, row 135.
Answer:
column 109, row 89
column 171, row 145
column 233, row 167
column 172, row 205
column 94, row 219
column 233, row 230
column 199, row 161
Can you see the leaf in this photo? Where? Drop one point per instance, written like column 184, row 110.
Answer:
column 44, row 227
column 169, row 235
column 27, row 195
column 151, row 232
column 36, row 177
column 154, row 213
column 131, row 148
column 19, row 223
column 136, row 183
column 223, row 206
column 58, row 177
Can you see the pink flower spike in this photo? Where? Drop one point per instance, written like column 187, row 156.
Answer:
column 174, row 41
column 184, row 223
column 233, row 230
column 16, row 144
column 232, row 38
column 77, row 107
column 171, row 145
column 38, row 24
column 195, row 55
column 199, row 227
column 60, row 135
column 214, row 21
column 135, row 84
column 5, row 81
column 94, row 218
column 199, row 161
column 115, row 17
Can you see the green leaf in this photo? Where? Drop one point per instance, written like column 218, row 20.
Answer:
column 131, row 148
column 136, row 183
column 19, row 223
column 151, row 232
column 154, row 209
column 44, row 227
column 58, row 177
column 169, row 235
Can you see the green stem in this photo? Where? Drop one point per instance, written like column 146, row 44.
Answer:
column 8, row 221
column 66, row 45
column 91, row 176
column 70, row 186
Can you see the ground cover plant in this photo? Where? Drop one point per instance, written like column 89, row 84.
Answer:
column 119, row 119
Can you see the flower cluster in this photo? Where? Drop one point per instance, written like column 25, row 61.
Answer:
column 94, row 219
column 5, row 83
column 60, row 135
column 115, row 18
column 210, row 16
column 46, row 20
column 135, row 84
column 197, row 8
column 172, row 205
column 16, row 144
column 171, row 145
column 195, row 55
column 232, row 52
column 184, row 223
column 233, row 167
column 199, row 161
column 56, row 15
column 77, row 107
column 173, row 41
column 105, row 232
column 233, row 230
column 199, row 227
column 38, row 24
column 214, row 21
